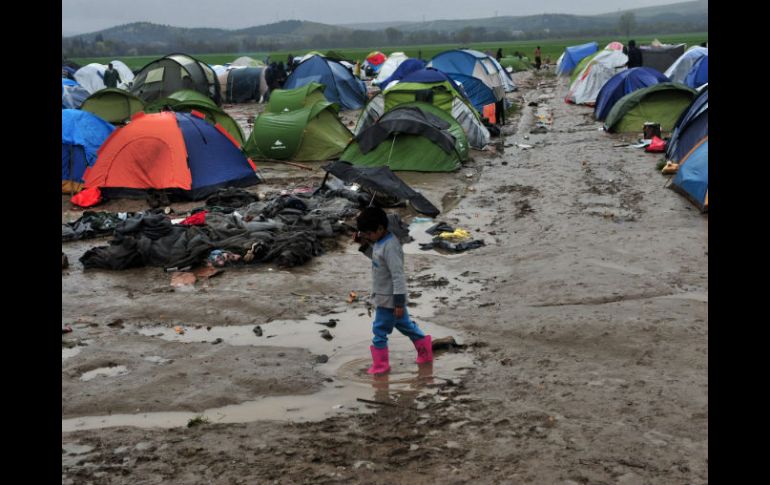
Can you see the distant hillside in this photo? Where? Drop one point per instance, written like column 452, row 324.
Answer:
column 145, row 38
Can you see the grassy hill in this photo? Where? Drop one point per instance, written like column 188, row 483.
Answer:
column 144, row 38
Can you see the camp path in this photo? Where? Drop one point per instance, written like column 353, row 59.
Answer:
column 584, row 319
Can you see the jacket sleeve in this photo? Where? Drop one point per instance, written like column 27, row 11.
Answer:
column 394, row 258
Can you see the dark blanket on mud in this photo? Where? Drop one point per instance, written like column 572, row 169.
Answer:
column 286, row 230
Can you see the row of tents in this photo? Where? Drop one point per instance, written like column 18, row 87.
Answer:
column 625, row 99
column 424, row 120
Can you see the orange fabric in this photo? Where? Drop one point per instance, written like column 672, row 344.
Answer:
column 489, row 113
column 149, row 152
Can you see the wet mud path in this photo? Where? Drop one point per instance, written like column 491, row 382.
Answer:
column 582, row 328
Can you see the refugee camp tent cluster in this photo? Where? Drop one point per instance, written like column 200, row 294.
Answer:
column 423, row 119
column 428, row 115
column 627, row 99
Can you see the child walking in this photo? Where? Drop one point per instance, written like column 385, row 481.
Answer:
column 388, row 290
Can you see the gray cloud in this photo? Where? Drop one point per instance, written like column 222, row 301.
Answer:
column 82, row 16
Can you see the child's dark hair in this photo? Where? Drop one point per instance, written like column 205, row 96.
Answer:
column 371, row 218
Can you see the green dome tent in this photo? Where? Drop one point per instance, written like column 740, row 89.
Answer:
column 660, row 103
column 412, row 136
column 113, row 105
column 298, row 124
column 440, row 94
column 187, row 100
column 282, row 100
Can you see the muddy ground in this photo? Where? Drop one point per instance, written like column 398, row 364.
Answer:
column 582, row 328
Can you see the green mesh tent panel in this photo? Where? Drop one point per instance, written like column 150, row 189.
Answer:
column 113, row 105
column 282, row 100
column 660, row 103
column 413, row 152
column 211, row 111
column 443, row 94
column 307, row 134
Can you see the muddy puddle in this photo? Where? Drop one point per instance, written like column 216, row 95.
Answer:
column 343, row 357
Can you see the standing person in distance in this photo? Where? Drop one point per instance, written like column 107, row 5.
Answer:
column 634, row 55
column 538, row 59
column 111, row 77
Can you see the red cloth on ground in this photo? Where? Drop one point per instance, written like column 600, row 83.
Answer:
column 197, row 219
column 657, row 145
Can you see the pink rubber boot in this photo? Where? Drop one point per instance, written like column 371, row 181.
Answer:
column 424, row 348
column 380, row 361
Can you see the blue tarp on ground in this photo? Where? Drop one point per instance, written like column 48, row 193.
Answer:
column 573, row 55
column 341, row 86
column 82, row 133
column 692, row 178
column 692, row 127
column 623, row 83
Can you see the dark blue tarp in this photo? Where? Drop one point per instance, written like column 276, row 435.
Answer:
column 573, row 55
column 692, row 178
column 622, row 83
column 82, row 133
column 341, row 86
column 692, row 126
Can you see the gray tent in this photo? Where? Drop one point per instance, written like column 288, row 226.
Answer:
column 661, row 56
column 174, row 72
column 243, row 84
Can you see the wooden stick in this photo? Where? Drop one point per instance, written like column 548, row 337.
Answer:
column 368, row 401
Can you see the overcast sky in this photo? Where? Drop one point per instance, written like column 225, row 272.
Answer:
column 83, row 16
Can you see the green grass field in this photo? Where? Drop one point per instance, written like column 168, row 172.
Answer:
column 552, row 48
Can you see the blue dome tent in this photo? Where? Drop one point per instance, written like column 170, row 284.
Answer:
column 623, row 83
column 573, row 55
column 691, row 128
column 692, row 178
column 341, row 86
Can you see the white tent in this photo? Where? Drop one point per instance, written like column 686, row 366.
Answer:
column 390, row 66
column 91, row 76
column 504, row 77
column 126, row 75
column 594, row 75
column 677, row 72
column 246, row 61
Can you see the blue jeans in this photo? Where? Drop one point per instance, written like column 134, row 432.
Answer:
column 383, row 324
